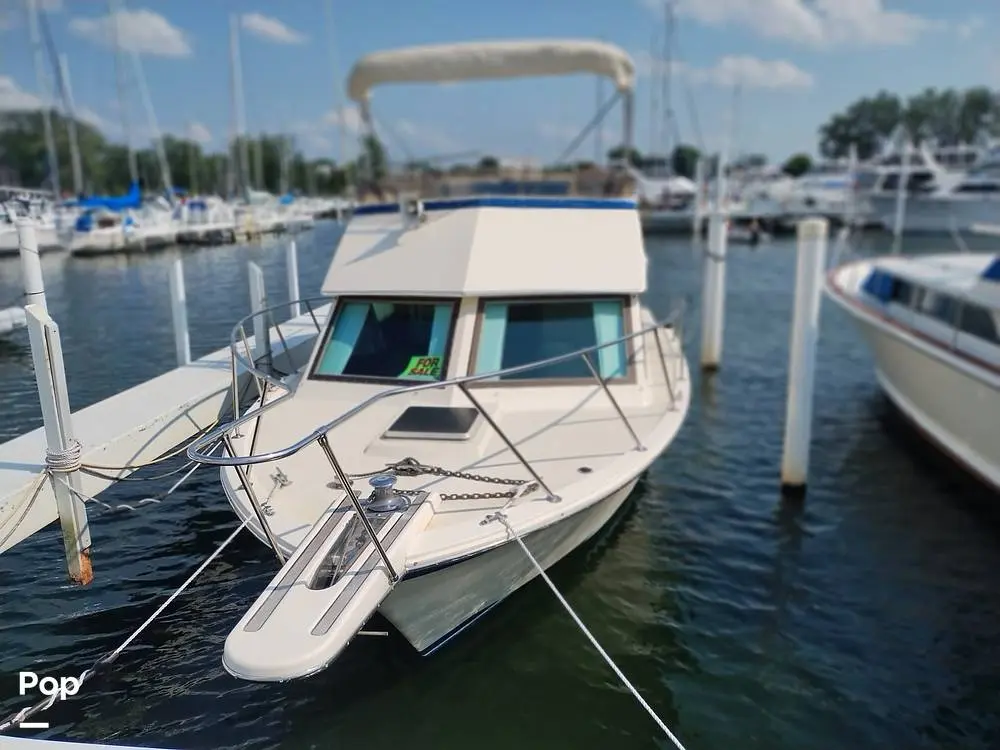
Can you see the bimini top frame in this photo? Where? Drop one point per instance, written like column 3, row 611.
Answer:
column 493, row 61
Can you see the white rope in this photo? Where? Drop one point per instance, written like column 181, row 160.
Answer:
column 579, row 623
column 15, row 719
column 64, row 461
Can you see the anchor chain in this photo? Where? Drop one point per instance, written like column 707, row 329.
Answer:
column 411, row 467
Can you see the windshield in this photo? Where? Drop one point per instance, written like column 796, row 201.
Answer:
column 387, row 339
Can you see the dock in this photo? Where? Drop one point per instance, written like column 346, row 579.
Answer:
column 134, row 427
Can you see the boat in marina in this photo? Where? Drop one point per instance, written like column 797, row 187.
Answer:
column 933, row 326
column 487, row 376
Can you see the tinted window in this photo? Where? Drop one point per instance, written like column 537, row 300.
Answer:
column 978, row 321
column 519, row 333
column 902, row 292
column 891, row 181
column 978, row 187
column 388, row 339
column 920, row 182
column 939, row 306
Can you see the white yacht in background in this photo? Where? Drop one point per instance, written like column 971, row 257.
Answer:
column 487, row 366
column 931, row 174
column 46, row 231
column 933, row 326
column 955, row 206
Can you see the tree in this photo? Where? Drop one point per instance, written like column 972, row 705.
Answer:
column 797, row 165
column 488, row 165
column 684, row 160
column 619, row 154
column 947, row 117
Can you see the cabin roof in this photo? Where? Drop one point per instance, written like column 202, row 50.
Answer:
column 972, row 275
column 491, row 247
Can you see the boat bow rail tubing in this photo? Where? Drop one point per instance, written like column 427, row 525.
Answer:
column 200, row 450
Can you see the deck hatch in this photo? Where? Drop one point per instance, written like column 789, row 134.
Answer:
column 434, row 423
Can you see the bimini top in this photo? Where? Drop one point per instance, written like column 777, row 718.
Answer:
column 486, row 60
column 491, row 247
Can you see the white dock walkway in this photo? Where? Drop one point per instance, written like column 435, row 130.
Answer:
column 130, row 428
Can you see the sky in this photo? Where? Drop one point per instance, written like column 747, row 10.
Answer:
column 763, row 73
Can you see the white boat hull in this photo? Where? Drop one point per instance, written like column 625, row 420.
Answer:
column 430, row 606
column 956, row 410
column 938, row 214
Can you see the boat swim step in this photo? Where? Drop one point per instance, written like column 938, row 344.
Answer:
column 323, row 594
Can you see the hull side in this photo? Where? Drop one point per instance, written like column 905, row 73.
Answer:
column 956, row 410
column 429, row 606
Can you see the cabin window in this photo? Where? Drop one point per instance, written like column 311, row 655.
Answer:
column 387, row 339
column 939, row 306
column 978, row 187
column 978, row 321
column 521, row 332
column 901, row 293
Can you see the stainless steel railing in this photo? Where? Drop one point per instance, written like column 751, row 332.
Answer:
column 200, row 450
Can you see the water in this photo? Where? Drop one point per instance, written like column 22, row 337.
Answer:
column 866, row 616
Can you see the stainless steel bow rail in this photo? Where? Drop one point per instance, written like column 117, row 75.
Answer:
column 199, row 450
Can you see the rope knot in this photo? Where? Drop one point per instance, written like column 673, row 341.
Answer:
column 66, row 461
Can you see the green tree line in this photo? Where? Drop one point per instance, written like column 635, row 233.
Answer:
column 273, row 161
column 948, row 116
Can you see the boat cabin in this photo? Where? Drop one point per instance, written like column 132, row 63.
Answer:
column 953, row 300
column 447, row 288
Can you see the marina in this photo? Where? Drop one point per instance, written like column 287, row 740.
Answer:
column 708, row 579
column 671, row 448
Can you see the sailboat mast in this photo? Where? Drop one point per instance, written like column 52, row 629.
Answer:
column 243, row 169
column 74, row 143
column 338, row 98
column 666, row 92
column 46, row 95
column 133, row 169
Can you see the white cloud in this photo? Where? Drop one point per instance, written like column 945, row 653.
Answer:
column 969, row 27
column 754, row 73
column 811, row 22
column 15, row 99
column 744, row 70
column 349, row 115
column 198, row 133
column 141, row 30
column 12, row 11
column 270, row 29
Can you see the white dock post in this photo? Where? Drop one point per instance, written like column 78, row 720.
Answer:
column 31, row 264
column 62, row 450
column 904, row 178
column 292, row 267
column 713, row 296
column 698, row 217
column 812, row 245
column 178, row 310
column 258, row 301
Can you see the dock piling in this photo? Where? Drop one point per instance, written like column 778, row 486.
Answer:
column 292, row 267
column 178, row 310
column 63, row 451
column 31, row 264
column 698, row 215
column 713, row 298
column 258, row 302
column 809, row 269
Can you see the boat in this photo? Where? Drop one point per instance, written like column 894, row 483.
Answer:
column 932, row 323
column 488, row 376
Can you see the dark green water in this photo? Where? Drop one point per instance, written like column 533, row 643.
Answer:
column 866, row 616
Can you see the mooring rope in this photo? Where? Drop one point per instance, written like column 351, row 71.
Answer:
column 499, row 516
column 14, row 720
